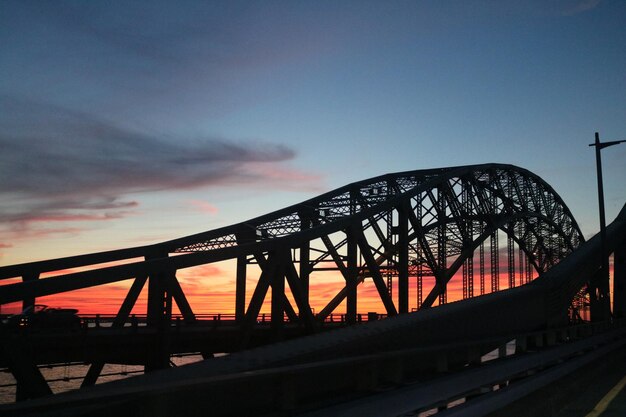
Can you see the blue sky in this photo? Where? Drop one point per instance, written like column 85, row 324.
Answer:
column 125, row 123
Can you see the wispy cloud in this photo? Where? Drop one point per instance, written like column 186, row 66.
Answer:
column 572, row 7
column 60, row 165
column 283, row 176
column 150, row 64
column 203, row 206
column 53, row 151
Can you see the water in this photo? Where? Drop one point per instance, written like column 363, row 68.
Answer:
column 66, row 378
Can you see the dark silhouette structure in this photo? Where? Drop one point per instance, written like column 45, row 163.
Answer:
column 492, row 227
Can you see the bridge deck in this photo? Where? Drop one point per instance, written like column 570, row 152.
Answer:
column 578, row 394
column 295, row 388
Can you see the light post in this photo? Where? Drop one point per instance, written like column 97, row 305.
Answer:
column 604, row 279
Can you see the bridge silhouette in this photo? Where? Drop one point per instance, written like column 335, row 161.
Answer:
column 422, row 230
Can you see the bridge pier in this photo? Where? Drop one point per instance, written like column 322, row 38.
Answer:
column 30, row 383
column 159, row 315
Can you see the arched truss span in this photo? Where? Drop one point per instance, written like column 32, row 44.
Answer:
column 413, row 226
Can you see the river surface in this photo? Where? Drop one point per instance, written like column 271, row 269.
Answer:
column 66, row 378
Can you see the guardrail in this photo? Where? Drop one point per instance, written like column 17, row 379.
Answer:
column 97, row 320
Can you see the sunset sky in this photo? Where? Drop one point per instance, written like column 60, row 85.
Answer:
column 129, row 123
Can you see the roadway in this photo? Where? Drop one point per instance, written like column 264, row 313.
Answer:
column 577, row 394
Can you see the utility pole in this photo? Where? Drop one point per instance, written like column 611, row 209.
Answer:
column 603, row 281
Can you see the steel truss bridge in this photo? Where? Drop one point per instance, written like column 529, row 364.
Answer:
column 494, row 228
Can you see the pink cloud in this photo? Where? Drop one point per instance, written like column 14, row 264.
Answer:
column 42, row 233
column 71, row 217
column 284, row 177
column 45, row 219
column 203, row 206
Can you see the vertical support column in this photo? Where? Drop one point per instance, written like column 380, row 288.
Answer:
column 159, row 300
column 442, row 256
column 390, row 260
column 470, row 275
column 468, row 237
column 159, row 314
column 511, row 260
column 240, row 288
column 420, row 285
column 305, row 260
column 619, row 280
column 521, row 255
column 277, row 280
column 243, row 236
column 482, row 266
column 464, row 270
column 463, row 225
column 30, row 300
column 495, row 273
column 420, row 257
column 403, row 261
column 351, row 301
column 493, row 241
column 305, row 269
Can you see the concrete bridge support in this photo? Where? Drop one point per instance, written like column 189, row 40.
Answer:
column 159, row 317
column 163, row 290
